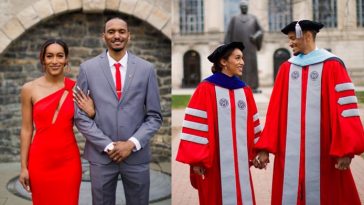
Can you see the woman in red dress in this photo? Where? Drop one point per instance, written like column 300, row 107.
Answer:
column 50, row 160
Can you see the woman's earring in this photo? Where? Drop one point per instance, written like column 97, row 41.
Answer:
column 67, row 68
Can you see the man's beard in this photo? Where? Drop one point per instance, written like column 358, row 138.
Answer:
column 117, row 49
column 297, row 53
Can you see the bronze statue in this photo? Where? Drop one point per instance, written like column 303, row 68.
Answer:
column 245, row 28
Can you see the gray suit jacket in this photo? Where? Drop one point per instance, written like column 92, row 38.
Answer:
column 137, row 114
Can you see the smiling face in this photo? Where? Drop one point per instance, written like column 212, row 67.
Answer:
column 234, row 64
column 116, row 35
column 54, row 59
column 297, row 44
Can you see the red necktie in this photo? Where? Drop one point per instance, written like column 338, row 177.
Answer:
column 118, row 79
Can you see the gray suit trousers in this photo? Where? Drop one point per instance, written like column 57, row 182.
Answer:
column 135, row 178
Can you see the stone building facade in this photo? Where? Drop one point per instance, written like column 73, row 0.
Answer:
column 343, row 35
column 24, row 26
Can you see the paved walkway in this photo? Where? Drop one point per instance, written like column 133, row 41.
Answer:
column 184, row 194
column 10, row 170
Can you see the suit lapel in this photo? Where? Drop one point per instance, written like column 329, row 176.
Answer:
column 130, row 72
column 105, row 67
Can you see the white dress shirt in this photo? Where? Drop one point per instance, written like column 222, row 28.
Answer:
column 123, row 68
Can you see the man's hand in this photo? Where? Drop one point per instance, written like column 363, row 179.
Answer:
column 122, row 149
column 261, row 160
column 343, row 163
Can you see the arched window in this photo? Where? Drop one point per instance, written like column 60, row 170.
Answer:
column 191, row 16
column 280, row 14
column 279, row 56
column 360, row 12
column 191, row 69
column 325, row 11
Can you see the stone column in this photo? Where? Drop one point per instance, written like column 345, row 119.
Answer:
column 346, row 14
column 214, row 15
column 302, row 9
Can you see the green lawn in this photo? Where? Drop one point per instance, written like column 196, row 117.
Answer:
column 360, row 95
column 180, row 101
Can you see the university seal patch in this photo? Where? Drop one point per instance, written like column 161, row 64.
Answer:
column 241, row 105
column 223, row 102
column 295, row 74
column 314, row 75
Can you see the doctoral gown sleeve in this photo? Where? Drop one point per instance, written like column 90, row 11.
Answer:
column 197, row 137
column 347, row 130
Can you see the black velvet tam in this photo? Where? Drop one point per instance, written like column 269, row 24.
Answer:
column 306, row 25
column 221, row 50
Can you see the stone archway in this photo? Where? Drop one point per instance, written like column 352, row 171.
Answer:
column 41, row 10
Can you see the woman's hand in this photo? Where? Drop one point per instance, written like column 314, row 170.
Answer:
column 343, row 163
column 84, row 102
column 198, row 170
column 24, row 179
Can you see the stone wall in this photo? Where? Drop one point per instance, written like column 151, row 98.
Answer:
column 19, row 64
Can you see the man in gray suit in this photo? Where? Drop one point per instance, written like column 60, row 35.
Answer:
column 125, row 91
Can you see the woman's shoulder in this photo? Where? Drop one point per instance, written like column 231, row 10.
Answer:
column 31, row 84
column 204, row 87
column 28, row 88
column 205, row 84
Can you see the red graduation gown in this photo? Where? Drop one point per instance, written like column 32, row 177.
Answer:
column 318, row 117
column 221, row 142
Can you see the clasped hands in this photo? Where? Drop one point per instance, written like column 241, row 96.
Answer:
column 121, row 150
column 261, row 160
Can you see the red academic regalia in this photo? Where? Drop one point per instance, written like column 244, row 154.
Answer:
column 221, row 125
column 312, row 120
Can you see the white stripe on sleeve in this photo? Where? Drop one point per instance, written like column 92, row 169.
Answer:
column 350, row 113
column 256, row 117
column 194, row 138
column 344, row 87
column 196, row 112
column 257, row 129
column 347, row 100
column 195, row 125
